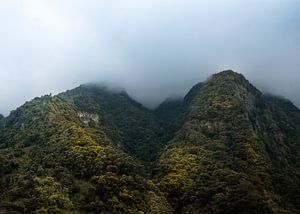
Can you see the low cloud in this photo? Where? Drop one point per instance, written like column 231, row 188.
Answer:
column 154, row 49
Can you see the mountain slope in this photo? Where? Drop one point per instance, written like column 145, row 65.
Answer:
column 2, row 120
column 224, row 148
column 57, row 159
column 125, row 120
column 237, row 152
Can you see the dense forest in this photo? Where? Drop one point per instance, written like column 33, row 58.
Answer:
column 224, row 148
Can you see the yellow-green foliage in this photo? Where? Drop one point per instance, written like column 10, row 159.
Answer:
column 230, row 155
column 52, row 162
column 224, row 148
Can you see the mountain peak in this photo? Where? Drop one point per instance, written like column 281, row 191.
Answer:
column 229, row 75
column 223, row 91
column 229, row 71
column 103, row 87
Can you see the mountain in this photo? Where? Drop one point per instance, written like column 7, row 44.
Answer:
column 126, row 121
column 237, row 151
column 224, row 148
column 69, row 154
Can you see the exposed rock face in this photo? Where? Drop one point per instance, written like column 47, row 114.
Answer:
column 246, row 97
column 87, row 118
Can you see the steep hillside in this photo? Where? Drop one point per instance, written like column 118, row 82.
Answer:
column 237, row 152
column 170, row 115
column 125, row 120
column 224, row 148
column 2, row 120
column 57, row 157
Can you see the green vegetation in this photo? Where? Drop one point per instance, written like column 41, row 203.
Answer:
column 2, row 120
column 237, row 152
column 224, row 148
column 54, row 162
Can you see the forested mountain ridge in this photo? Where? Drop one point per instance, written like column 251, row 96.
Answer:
column 57, row 158
column 237, row 151
column 224, row 148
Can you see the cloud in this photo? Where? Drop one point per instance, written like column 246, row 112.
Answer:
column 152, row 48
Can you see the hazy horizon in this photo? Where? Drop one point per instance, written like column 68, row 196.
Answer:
column 151, row 105
column 154, row 49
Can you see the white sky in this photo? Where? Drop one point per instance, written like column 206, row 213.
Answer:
column 153, row 48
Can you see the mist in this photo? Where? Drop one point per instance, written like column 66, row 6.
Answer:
column 154, row 49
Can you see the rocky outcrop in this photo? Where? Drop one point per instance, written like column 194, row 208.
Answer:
column 87, row 118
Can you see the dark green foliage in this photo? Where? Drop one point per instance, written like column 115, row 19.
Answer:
column 237, row 152
column 124, row 120
column 224, row 148
column 52, row 161
column 2, row 120
column 169, row 114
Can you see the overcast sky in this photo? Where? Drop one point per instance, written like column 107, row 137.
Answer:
column 153, row 48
